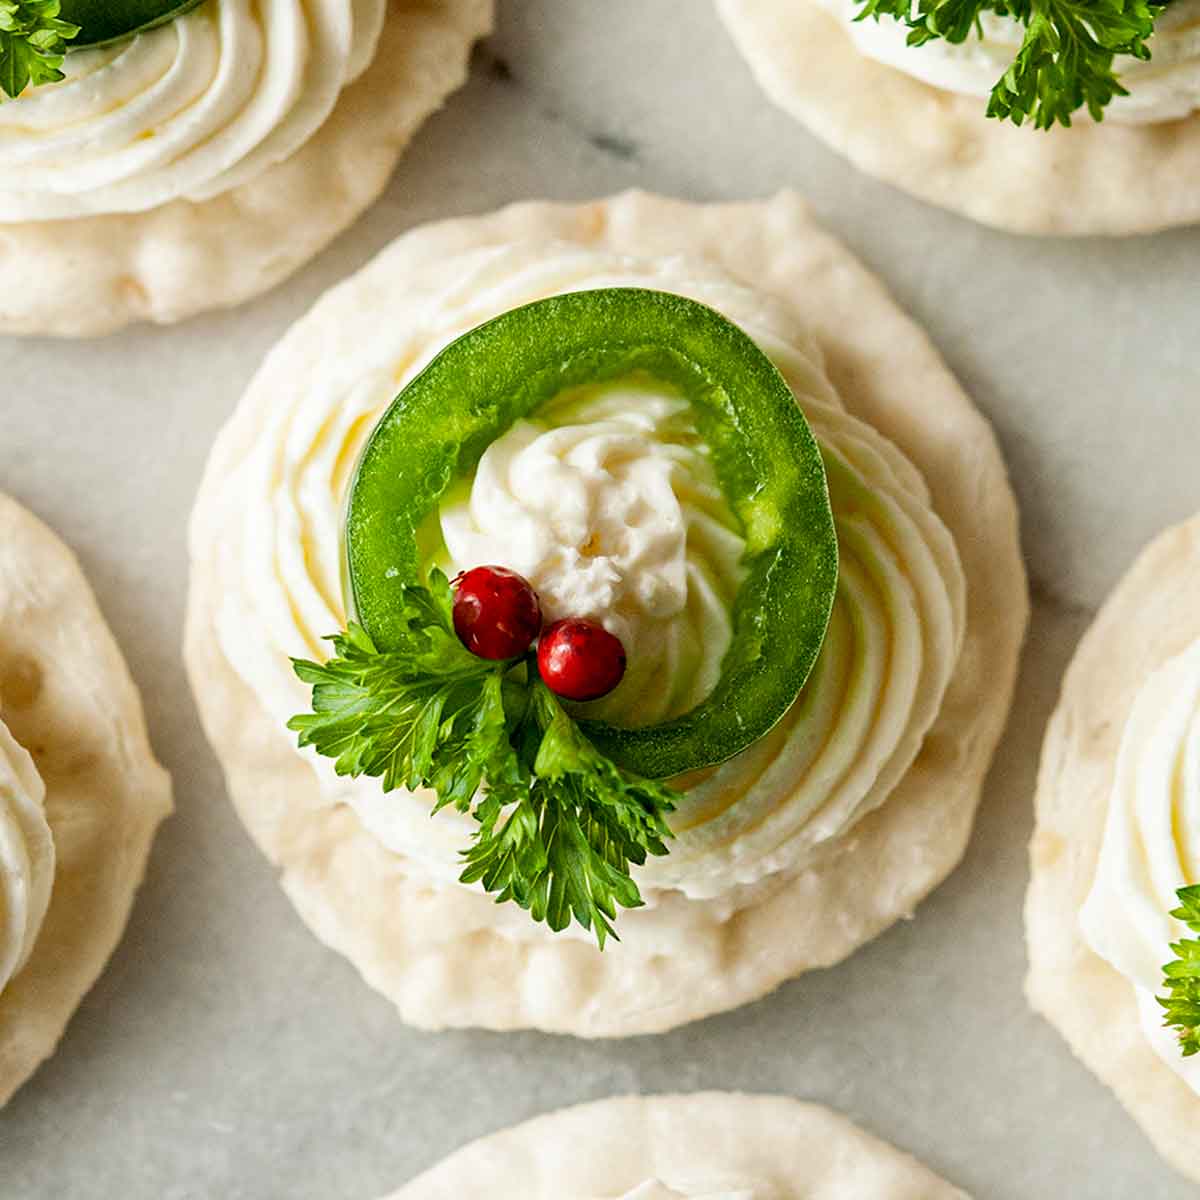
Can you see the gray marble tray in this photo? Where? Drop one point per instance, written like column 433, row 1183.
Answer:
column 225, row 1053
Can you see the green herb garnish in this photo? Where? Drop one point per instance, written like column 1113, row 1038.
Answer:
column 1066, row 59
column 1182, row 976
column 560, row 824
column 33, row 44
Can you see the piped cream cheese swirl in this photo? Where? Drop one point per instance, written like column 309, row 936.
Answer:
column 1166, row 88
column 1151, row 844
column 892, row 646
column 26, row 856
column 191, row 109
column 614, row 512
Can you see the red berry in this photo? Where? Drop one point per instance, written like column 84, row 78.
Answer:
column 496, row 612
column 580, row 659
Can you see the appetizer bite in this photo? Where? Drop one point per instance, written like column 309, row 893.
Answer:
column 163, row 157
column 1113, row 913
column 676, row 599
column 1049, row 118
column 705, row 1146
column 80, row 792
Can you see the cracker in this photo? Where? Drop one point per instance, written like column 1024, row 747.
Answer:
column 92, row 275
column 713, row 1140
column 67, row 697
column 435, row 951
column 1150, row 618
column 1104, row 178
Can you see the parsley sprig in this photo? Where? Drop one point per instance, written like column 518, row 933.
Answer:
column 1182, row 976
column 32, row 44
column 1065, row 62
column 559, row 824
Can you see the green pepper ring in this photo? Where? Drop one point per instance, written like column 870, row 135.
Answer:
column 765, row 456
column 103, row 21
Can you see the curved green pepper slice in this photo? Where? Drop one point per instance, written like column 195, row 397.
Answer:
column 102, row 21
column 765, row 456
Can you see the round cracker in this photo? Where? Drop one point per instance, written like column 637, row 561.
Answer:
column 67, row 696
column 1104, row 178
column 92, row 275
column 713, row 1140
column 1151, row 617
column 434, row 950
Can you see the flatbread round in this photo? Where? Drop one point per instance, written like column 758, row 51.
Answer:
column 435, row 950
column 1151, row 617
column 707, row 1142
column 1104, row 178
column 66, row 695
column 92, row 275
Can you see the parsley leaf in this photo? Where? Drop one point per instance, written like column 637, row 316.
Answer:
column 1182, row 976
column 32, row 44
column 1065, row 62
column 559, row 837
column 424, row 715
column 559, row 824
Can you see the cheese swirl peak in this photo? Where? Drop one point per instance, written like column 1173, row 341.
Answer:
column 190, row 109
column 26, row 856
column 893, row 641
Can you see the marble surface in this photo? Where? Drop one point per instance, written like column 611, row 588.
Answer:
column 225, row 1053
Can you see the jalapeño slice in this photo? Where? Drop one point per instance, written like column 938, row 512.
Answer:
column 102, row 21
column 766, row 459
